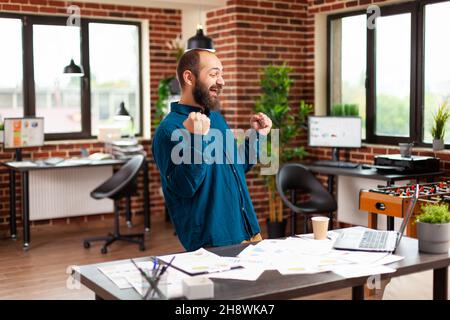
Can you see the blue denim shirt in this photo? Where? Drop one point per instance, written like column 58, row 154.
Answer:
column 209, row 203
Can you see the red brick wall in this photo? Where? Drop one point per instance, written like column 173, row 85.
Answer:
column 164, row 25
column 249, row 35
column 54, row 150
column 315, row 6
column 366, row 153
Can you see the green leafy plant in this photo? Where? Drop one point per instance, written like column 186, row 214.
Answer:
column 440, row 119
column 275, row 84
column 161, row 103
column 345, row 110
column 176, row 47
column 434, row 213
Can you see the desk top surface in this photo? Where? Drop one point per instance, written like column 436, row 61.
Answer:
column 271, row 284
column 28, row 165
column 369, row 173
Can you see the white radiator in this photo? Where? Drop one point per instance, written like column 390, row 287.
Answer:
column 62, row 193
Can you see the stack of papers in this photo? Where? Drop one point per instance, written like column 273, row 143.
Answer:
column 304, row 255
column 200, row 261
column 20, row 164
column 295, row 255
column 127, row 148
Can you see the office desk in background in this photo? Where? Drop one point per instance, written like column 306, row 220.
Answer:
column 24, row 170
column 272, row 285
column 359, row 172
column 372, row 174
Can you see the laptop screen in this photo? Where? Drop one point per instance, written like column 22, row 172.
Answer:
column 409, row 213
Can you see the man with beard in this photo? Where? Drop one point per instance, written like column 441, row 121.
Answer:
column 209, row 203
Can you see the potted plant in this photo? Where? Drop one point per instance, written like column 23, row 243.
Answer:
column 168, row 88
column 169, row 85
column 338, row 110
column 275, row 84
column 161, row 106
column 433, row 228
column 438, row 128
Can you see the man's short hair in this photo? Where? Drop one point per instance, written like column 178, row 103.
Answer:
column 190, row 60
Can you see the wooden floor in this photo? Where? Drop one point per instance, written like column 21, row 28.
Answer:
column 41, row 272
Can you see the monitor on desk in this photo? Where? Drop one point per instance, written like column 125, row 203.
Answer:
column 334, row 132
column 23, row 132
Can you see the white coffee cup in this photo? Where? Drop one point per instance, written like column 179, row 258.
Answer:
column 320, row 227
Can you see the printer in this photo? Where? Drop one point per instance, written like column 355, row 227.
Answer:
column 413, row 164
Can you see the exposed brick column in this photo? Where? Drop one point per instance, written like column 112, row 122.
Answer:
column 248, row 36
column 164, row 25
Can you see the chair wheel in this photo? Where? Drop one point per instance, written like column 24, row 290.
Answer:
column 103, row 250
column 142, row 247
column 86, row 244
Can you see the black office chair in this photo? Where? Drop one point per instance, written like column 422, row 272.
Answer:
column 293, row 177
column 121, row 184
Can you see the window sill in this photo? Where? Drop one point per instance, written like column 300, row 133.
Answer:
column 82, row 141
column 394, row 147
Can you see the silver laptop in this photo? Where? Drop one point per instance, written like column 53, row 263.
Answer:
column 364, row 239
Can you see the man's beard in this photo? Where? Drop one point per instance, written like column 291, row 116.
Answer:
column 202, row 96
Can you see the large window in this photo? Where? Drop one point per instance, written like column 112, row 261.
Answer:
column 403, row 68
column 32, row 81
column 112, row 82
column 437, row 63
column 393, row 65
column 349, row 65
column 11, row 74
column 57, row 96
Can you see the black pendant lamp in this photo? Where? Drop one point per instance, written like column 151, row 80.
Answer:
column 73, row 70
column 200, row 41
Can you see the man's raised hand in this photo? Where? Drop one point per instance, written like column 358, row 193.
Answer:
column 197, row 123
column 261, row 123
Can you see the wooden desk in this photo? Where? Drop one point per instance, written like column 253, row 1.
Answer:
column 272, row 285
column 360, row 172
column 24, row 172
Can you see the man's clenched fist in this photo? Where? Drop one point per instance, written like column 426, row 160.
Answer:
column 261, row 123
column 197, row 123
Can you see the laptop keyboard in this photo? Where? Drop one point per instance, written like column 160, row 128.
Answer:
column 373, row 240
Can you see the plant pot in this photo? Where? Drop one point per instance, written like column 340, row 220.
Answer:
column 438, row 144
column 433, row 237
column 276, row 229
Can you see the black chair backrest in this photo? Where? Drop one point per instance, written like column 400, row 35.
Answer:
column 294, row 176
column 121, row 180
